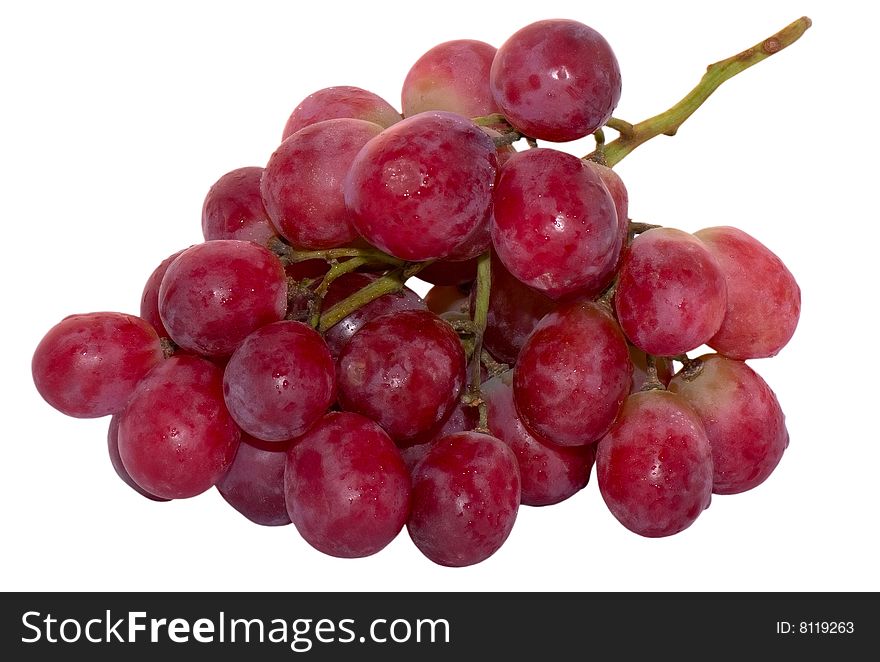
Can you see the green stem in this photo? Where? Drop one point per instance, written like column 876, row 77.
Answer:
column 506, row 139
column 338, row 269
column 598, row 154
column 291, row 255
column 668, row 122
column 392, row 282
column 362, row 297
column 494, row 367
column 622, row 127
column 490, row 120
column 652, row 381
column 483, row 287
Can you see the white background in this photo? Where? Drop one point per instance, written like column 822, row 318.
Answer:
column 116, row 118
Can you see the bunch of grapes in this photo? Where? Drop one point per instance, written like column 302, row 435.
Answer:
column 285, row 361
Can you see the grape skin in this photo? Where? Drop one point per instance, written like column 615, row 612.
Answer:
column 462, row 419
column 446, row 298
column 476, row 243
column 233, row 208
column 556, row 80
column 452, row 76
column 555, row 227
column 671, row 296
column 514, row 311
column 763, row 298
column 279, row 381
column 347, row 488
column 175, row 417
column 403, row 370
column 176, row 437
column 338, row 102
column 620, row 196
column 87, row 366
column 421, row 188
column 302, row 184
column 338, row 335
column 254, row 484
column 654, row 467
column 549, row 473
column 465, row 497
column 150, row 296
column 449, row 272
column 116, row 460
column 215, row 294
column 572, row 375
column 743, row 420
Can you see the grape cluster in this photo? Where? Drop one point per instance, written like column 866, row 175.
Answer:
column 285, row 361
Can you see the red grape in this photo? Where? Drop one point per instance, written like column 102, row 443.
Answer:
column 337, row 102
column 88, row 366
column 421, row 188
column 116, row 460
column 572, row 374
column 338, row 335
column 514, row 310
column 743, row 420
column 616, row 188
column 619, row 195
column 150, row 296
column 451, row 76
column 654, row 466
column 476, row 243
column 549, row 473
column 306, row 269
column 763, row 298
column 233, row 208
column 279, row 381
column 671, row 294
column 346, row 486
column 462, row 418
column 302, row 183
column 450, row 272
column 414, row 454
column 215, row 294
column 403, row 370
column 176, row 438
column 465, row 497
column 556, row 80
column 254, row 484
column 555, row 227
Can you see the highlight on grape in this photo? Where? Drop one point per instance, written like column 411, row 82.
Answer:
column 285, row 362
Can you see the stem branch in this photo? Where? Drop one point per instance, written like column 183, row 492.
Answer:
column 290, row 254
column 336, row 270
column 481, row 316
column 652, row 381
column 392, row 282
column 668, row 122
